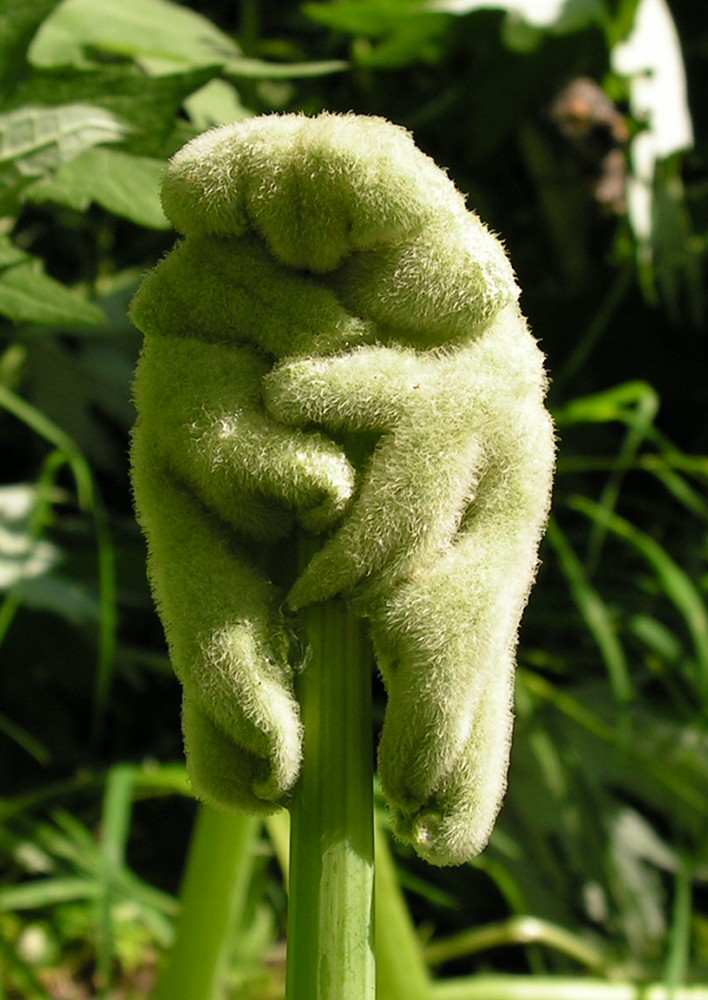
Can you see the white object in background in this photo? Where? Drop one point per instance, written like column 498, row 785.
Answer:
column 652, row 58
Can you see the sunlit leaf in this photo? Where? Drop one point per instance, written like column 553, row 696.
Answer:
column 611, row 404
column 147, row 105
column 216, row 103
column 74, row 601
column 125, row 184
column 35, row 141
column 155, row 29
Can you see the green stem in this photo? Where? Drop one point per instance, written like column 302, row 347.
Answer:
column 213, row 893
column 330, row 915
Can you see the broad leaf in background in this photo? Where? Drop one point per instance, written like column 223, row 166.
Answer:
column 148, row 105
column 164, row 36
column 124, row 184
column 405, row 31
column 160, row 36
column 35, row 141
column 28, row 295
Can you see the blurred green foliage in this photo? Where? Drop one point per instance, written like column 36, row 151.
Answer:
column 603, row 836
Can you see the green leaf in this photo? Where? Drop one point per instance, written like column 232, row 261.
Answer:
column 9, row 253
column 160, row 35
column 135, row 29
column 216, row 103
column 19, row 21
column 148, row 104
column 371, row 18
column 660, row 640
column 126, row 185
column 616, row 403
column 27, row 295
column 35, row 141
column 407, row 32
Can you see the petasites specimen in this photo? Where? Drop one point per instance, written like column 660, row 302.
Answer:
column 335, row 346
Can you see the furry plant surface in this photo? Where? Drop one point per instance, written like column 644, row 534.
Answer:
column 336, row 343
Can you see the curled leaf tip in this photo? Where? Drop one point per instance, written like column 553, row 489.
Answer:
column 332, row 297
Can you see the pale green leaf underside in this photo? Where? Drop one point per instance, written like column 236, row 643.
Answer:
column 149, row 28
column 34, row 141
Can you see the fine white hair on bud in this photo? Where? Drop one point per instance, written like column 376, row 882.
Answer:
column 332, row 297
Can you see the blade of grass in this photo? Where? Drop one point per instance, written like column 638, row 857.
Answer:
column 278, row 827
column 216, row 881
column 594, row 612
column 639, row 417
column 595, row 330
column 677, row 958
column 676, row 584
column 89, row 500
column 571, row 707
column 44, row 892
column 401, row 973
column 115, row 827
column 634, row 404
column 521, row 930
column 29, row 743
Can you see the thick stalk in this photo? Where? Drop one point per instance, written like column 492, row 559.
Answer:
column 330, row 910
column 215, row 884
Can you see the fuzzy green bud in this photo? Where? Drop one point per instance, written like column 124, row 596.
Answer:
column 332, row 287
